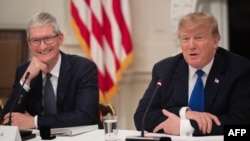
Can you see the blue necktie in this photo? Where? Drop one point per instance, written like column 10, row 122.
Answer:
column 49, row 97
column 196, row 102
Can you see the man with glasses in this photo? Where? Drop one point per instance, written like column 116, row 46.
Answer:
column 73, row 97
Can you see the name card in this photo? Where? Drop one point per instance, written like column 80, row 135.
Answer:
column 9, row 133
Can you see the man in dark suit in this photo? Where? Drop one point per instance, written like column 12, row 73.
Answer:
column 226, row 81
column 74, row 82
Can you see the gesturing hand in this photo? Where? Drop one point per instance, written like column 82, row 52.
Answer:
column 171, row 125
column 34, row 68
column 204, row 120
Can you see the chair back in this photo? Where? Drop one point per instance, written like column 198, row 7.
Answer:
column 105, row 109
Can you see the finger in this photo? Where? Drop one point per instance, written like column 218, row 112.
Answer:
column 203, row 124
column 215, row 119
column 209, row 124
column 44, row 68
column 166, row 112
column 5, row 121
column 37, row 65
column 157, row 128
column 6, row 116
column 26, row 113
column 198, row 120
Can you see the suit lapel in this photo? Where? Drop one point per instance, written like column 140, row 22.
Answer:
column 63, row 79
column 180, row 83
column 214, row 80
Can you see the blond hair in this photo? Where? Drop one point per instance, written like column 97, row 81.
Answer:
column 197, row 18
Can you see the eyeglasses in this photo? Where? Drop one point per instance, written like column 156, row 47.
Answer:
column 47, row 40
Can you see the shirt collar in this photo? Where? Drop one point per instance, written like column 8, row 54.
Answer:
column 56, row 69
column 206, row 69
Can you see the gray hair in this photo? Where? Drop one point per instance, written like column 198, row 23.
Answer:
column 41, row 19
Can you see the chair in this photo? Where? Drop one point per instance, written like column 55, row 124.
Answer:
column 1, row 109
column 105, row 109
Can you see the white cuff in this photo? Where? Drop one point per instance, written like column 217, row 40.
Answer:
column 25, row 86
column 35, row 121
column 182, row 112
column 185, row 128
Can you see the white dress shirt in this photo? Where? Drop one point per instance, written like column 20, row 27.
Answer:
column 185, row 126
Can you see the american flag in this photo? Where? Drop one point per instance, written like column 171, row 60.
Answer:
column 104, row 33
column 216, row 80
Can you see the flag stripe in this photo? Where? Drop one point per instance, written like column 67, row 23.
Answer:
column 109, row 36
column 79, row 27
column 103, row 30
column 122, row 25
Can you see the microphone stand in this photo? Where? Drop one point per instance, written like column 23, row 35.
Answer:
column 146, row 111
column 142, row 137
column 18, row 97
column 25, row 134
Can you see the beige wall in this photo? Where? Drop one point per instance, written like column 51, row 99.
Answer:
column 153, row 40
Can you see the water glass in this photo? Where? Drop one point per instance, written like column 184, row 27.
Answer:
column 110, row 127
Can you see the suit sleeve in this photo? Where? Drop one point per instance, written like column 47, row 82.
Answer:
column 16, row 91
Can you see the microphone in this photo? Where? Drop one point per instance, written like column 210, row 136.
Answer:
column 142, row 137
column 18, row 97
column 146, row 111
column 25, row 134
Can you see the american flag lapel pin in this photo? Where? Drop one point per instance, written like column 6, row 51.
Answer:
column 216, row 80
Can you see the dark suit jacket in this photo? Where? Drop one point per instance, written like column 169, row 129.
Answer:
column 77, row 94
column 227, row 91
